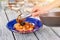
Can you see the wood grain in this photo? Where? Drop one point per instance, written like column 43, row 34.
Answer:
column 46, row 34
column 56, row 30
column 5, row 34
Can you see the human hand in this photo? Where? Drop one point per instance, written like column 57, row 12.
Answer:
column 37, row 11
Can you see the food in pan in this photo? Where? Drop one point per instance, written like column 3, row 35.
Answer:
column 24, row 27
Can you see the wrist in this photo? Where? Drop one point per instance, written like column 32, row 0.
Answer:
column 54, row 4
column 49, row 7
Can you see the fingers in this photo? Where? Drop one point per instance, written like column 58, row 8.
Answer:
column 38, row 11
column 36, row 14
column 35, row 9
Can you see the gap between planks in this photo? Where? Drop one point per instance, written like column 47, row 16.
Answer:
column 8, row 20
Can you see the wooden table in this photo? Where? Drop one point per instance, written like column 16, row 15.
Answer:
column 46, row 33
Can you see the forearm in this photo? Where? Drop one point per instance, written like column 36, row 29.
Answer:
column 54, row 4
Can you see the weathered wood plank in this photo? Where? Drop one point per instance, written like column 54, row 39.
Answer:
column 5, row 34
column 46, row 34
column 56, row 30
column 12, row 15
